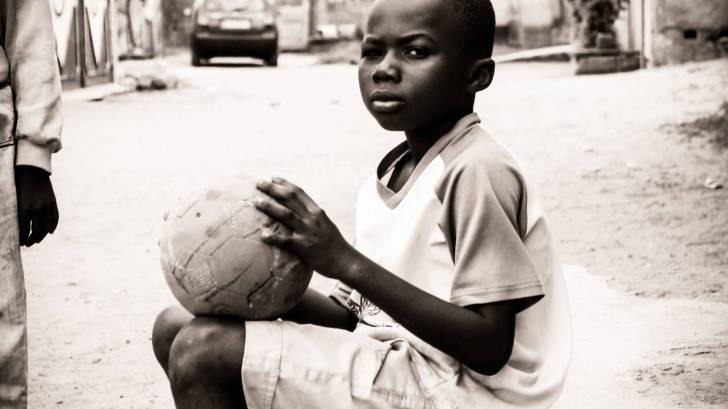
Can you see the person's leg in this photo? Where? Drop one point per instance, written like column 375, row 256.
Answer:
column 205, row 362
column 13, row 338
column 168, row 323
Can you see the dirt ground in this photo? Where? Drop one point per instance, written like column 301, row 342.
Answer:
column 643, row 239
column 626, row 195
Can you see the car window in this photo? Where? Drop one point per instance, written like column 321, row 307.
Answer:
column 238, row 5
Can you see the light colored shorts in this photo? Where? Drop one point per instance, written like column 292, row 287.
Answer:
column 287, row 366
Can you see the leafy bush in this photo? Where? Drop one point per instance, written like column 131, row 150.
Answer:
column 595, row 19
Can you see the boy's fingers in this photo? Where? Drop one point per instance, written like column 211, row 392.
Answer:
column 282, row 181
column 23, row 227
column 284, row 241
column 283, row 194
column 52, row 220
column 40, row 230
column 300, row 193
column 278, row 212
column 308, row 202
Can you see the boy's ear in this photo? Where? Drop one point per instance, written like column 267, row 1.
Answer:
column 481, row 75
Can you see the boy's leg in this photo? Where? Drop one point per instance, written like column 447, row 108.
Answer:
column 13, row 338
column 205, row 362
column 168, row 323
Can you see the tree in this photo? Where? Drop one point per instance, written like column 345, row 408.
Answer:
column 595, row 20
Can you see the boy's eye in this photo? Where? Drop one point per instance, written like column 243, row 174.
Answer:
column 417, row 52
column 370, row 52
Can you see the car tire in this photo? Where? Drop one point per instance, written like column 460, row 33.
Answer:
column 195, row 59
column 272, row 60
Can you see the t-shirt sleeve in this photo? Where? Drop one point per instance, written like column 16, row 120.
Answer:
column 484, row 222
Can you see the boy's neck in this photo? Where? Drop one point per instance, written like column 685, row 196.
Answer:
column 421, row 140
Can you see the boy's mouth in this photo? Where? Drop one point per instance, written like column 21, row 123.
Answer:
column 385, row 102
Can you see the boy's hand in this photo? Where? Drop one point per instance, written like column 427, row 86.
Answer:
column 37, row 208
column 313, row 237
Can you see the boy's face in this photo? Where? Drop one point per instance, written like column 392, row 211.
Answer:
column 413, row 72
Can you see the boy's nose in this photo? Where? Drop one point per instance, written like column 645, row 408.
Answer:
column 386, row 71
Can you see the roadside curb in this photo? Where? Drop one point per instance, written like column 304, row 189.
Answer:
column 95, row 92
column 131, row 76
column 553, row 53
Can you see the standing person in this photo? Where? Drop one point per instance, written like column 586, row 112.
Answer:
column 30, row 128
column 452, row 296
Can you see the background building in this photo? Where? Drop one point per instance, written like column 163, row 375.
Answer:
column 138, row 31
column 677, row 31
column 83, row 36
column 533, row 23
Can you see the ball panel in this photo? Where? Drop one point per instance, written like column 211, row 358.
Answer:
column 193, row 273
column 239, row 258
column 287, row 284
column 186, row 202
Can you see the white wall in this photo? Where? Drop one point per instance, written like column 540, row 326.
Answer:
column 503, row 12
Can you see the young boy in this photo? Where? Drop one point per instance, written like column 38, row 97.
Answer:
column 451, row 298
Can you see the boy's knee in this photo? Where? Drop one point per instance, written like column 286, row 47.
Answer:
column 206, row 349
column 166, row 326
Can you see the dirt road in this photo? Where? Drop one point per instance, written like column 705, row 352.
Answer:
column 643, row 240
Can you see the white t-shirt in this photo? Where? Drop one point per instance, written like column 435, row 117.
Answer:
column 467, row 229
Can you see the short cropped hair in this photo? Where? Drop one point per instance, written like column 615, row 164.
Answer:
column 477, row 19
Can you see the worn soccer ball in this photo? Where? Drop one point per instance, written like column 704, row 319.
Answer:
column 215, row 262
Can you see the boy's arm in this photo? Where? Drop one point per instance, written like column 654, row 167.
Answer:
column 30, row 48
column 481, row 337
column 318, row 309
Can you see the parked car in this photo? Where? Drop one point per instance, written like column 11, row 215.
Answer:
column 233, row 28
